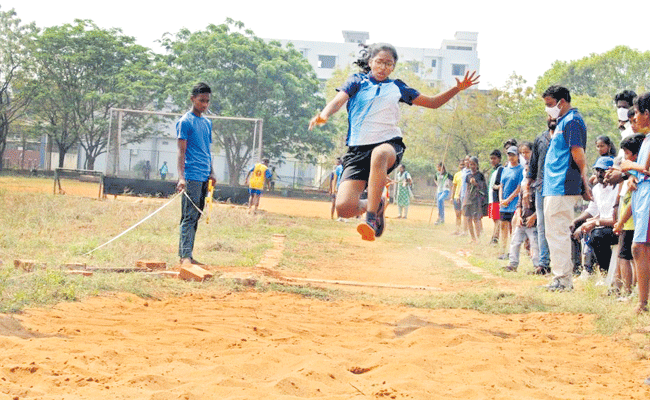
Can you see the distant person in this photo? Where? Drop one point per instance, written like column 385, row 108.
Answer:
column 524, row 221
column 256, row 180
column 164, row 169
column 532, row 189
column 624, row 227
column 565, row 181
column 443, row 181
column 463, row 192
column 271, row 182
column 147, row 169
column 511, row 178
column 456, row 190
column 596, row 223
column 403, row 182
column 641, row 201
column 494, row 184
column 194, row 134
column 473, row 201
column 374, row 137
column 624, row 102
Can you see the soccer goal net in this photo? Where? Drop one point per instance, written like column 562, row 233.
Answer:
column 142, row 144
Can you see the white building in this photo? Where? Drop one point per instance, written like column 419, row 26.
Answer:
column 435, row 65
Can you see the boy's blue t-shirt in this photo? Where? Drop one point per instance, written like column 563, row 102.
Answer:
column 197, row 131
column 561, row 173
column 373, row 108
column 511, row 177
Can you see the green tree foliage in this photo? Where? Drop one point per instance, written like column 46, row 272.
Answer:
column 15, row 94
column 601, row 75
column 83, row 72
column 249, row 78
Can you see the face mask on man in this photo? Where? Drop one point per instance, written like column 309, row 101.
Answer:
column 554, row 111
column 622, row 114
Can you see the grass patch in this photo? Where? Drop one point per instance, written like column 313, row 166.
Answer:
column 56, row 230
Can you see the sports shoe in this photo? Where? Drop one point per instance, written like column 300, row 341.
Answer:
column 380, row 220
column 510, row 268
column 368, row 230
column 556, row 286
column 540, row 270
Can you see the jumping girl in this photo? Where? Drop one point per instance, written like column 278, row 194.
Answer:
column 374, row 140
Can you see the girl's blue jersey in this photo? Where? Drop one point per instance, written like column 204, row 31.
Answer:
column 373, row 108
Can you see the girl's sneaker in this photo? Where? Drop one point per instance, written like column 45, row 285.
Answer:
column 368, row 230
column 373, row 227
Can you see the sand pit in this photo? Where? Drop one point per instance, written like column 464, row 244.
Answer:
column 250, row 345
column 279, row 346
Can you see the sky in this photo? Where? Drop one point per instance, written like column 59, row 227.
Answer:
column 513, row 36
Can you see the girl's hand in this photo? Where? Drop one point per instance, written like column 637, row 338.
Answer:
column 317, row 121
column 468, row 81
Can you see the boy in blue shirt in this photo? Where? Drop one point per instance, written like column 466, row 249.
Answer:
column 194, row 134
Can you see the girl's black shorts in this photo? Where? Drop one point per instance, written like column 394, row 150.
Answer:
column 356, row 162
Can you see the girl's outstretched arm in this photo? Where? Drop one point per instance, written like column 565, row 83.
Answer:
column 440, row 99
column 332, row 107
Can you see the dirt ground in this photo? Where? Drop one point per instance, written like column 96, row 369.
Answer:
column 250, row 345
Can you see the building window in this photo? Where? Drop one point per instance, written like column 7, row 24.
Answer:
column 434, row 63
column 304, row 52
column 457, row 69
column 328, row 62
column 466, row 48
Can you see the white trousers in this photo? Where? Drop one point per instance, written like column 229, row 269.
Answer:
column 558, row 216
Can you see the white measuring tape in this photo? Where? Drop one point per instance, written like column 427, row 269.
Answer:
column 146, row 218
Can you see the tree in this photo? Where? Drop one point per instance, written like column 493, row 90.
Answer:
column 594, row 81
column 249, row 78
column 601, row 74
column 14, row 68
column 83, row 72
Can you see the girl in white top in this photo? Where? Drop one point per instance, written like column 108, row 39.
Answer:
column 374, row 139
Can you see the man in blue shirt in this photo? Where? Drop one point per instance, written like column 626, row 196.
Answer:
column 565, row 180
column 194, row 134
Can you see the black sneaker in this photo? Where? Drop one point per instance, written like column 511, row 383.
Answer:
column 540, row 270
column 380, row 220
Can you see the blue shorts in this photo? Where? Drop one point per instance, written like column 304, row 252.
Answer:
column 641, row 212
column 254, row 191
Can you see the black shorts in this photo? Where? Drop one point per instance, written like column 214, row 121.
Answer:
column 472, row 210
column 625, row 245
column 356, row 162
column 506, row 216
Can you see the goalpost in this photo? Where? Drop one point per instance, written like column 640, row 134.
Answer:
column 145, row 144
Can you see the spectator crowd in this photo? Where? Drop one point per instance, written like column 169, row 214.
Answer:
column 534, row 190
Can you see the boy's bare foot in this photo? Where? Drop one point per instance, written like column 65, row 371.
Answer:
column 185, row 261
